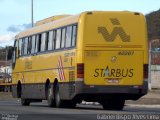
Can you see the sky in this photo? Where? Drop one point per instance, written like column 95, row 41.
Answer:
column 15, row 15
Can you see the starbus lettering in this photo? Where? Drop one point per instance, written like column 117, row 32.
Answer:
column 110, row 72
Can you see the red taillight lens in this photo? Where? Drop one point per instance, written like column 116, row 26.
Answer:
column 145, row 70
column 80, row 70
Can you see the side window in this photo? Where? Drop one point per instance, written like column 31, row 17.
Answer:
column 43, row 42
column 74, row 35
column 20, row 48
column 58, row 38
column 47, row 40
column 68, row 36
column 16, row 46
column 38, row 43
column 63, row 37
column 25, row 45
column 29, row 45
column 33, row 44
column 54, row 39
column 14, row 54
column 50, row 40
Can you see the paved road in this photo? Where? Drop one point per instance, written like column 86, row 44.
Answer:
column 12, row 110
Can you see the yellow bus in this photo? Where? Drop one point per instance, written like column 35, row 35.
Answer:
column 95, row 56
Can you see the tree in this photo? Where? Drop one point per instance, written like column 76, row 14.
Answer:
column 153, row 25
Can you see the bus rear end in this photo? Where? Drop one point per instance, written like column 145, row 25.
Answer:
column 115, row 57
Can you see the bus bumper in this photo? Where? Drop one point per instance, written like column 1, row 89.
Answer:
column 127, row 92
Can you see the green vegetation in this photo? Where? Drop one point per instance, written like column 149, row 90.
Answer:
column 153, row 24
column 3, row 53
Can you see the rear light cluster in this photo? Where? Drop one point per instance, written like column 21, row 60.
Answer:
column 80, row 70
column 145, row 71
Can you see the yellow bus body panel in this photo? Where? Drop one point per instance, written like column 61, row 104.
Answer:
column 37, row 69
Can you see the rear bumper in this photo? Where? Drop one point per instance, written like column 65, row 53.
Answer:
column 127, row 92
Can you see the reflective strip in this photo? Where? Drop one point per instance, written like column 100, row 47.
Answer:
column 60, row 69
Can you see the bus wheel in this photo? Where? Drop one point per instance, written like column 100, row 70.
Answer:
column 19, row 90
column 58, row 102
column 25, row 102
column 116, row 104
column 50, row 99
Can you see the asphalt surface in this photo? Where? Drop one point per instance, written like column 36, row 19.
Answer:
column 12, row 110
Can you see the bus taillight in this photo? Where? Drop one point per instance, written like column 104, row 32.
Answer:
column 80, row 70
column 145, row 70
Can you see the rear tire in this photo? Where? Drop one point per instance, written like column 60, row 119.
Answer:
column 113, row 104
column 58, row 102
column 50, row 97
column 25, row 102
